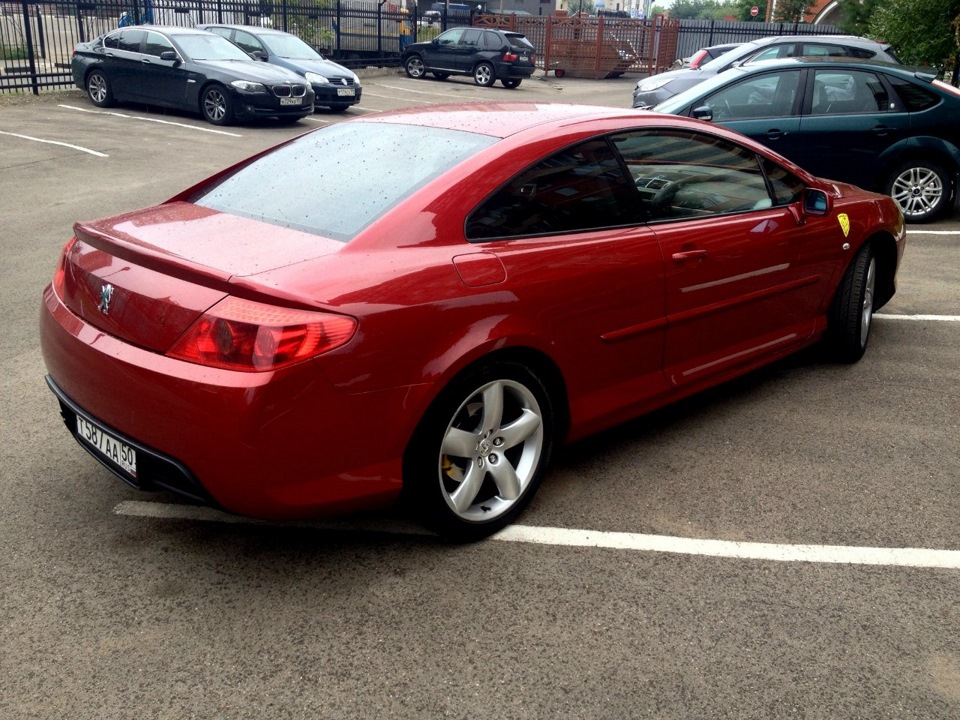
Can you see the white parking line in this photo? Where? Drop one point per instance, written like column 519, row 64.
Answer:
column 833, row 554
column 55, row 142
column 912, row 231
column 933, row 318
column 153, row 120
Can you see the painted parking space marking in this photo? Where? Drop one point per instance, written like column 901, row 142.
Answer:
column 929, row 318
column 55, row 142
column 153, row 120
column 565, row 537
column 911, row 231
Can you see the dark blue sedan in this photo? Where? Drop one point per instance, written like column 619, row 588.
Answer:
column 881, row 126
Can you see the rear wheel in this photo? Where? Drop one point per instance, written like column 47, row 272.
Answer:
column 98, row 88
column 921, row 188
column 484, row 75
column 414, row 67
column 511, row 84
column 851, row 314
column 216, row 105
column 480, row 452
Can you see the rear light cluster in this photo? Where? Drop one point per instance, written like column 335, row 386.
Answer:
column 513, row 57
column 248, row 336
column 60, row 274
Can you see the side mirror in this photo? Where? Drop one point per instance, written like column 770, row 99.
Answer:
column 169, row 56
column 259, row 55
column 704, row 112
column 816, row 202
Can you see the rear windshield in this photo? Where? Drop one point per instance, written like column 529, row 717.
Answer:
column 336, row 181
column 519, row 41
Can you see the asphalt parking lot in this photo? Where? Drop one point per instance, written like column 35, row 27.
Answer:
column 783, row 546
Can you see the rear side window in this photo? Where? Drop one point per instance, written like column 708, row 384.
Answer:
column 840, row 92
column 130, row 40
column 578, row 189
column 913, row 96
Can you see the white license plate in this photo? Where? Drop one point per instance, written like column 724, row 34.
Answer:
column 291, row 101
column 107, row 445
column 346, row 92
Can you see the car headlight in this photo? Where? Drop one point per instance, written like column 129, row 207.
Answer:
column 247, row 86
column 356, row 79
column 316, row 79
column 650, row 85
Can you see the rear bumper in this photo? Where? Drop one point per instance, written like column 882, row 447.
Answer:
column 268, row 445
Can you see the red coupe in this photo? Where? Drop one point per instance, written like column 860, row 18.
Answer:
column 425, row 303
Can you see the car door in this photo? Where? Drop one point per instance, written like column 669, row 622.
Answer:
column 569, row 237
column 468, row 49
column 442, row 52
column 764, row 106
column 166, row 78
column 848, row 121
column 122, row 51
column 744, row 278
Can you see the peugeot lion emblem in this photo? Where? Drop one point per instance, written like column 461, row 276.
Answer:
column 106, row 294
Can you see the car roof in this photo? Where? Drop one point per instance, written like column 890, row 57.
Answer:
column 252, row 29
column 504, row 119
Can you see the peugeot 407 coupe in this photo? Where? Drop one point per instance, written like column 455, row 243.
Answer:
column 488, row 282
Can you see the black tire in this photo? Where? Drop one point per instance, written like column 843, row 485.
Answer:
column 511, row 84
column 99, row 90
column 441, row 76
column 414, row 67
column 216, row 105
column 851, row 312
column 480, row 452
column 559, row 72
column 922, row 189
column 484, row 75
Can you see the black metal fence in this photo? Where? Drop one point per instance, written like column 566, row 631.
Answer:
column 37, row 37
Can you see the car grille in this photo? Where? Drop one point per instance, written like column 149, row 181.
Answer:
column 342, row 81
column 289, row 90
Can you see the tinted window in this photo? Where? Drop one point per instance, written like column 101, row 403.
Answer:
column 520, row 42
column 817, row 50
column 112, row 41
column 321, row 183
column 157, row 44
column 771, row 94
column 130, row 40
column 471, row 37
column 913, row 97
column 491, row 41
column 787, row 187
column 581, row 188
column 450, row 37
column 684, row 175
column 838, row 92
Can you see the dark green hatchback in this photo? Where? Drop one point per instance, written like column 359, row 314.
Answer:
column 881, row 126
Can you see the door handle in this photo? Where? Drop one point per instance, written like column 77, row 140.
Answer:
column 881, row 130
column 680, row 257
column 775, row 134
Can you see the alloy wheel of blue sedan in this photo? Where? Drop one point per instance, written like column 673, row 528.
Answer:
column 921, row 190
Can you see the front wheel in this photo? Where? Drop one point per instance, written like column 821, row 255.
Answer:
column 484, row 75
column 921, row 188
column 216, row 105
column 851, row 313
column 511, row 84
column 480, row 452
column 98, row 88
column 414, row 67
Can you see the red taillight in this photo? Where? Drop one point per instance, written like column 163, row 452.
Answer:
column 60, row 274
column 510, row 57
column 243, row 335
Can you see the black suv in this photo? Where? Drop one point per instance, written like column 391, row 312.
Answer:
column 487, row 55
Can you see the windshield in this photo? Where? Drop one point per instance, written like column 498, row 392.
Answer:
column 210, row 47
column 729, row 57
column 291, row 47
column 336, row 181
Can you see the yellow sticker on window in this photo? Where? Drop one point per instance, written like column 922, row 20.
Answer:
column 844, row 223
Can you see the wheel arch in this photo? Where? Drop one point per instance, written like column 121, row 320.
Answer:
column 933, row 149
column 885, row 253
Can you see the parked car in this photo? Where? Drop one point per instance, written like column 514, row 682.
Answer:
column 488, row 55
column 704, row 55
column 487, row 283
column 884, row 127
column 187, row 70
column 334, row 86
column 661, row 87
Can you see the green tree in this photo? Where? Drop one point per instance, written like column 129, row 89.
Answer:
column 790, row 10
column 924, row 32
column 856, row 15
